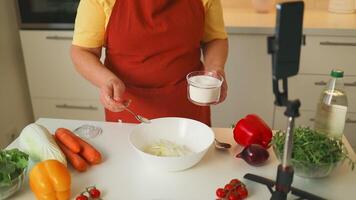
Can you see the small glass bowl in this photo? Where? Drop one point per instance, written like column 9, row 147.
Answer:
column 15, row 185
column 87, row 131
column 204, row 87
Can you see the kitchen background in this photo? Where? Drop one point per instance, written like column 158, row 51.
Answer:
column 37, row 78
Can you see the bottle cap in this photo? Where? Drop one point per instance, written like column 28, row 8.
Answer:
column 337, row 73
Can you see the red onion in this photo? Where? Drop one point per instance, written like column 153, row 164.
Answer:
column 254, row 154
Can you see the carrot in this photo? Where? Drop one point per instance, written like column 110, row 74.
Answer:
column 88, row 152
column 78, row 162
column 65, row 136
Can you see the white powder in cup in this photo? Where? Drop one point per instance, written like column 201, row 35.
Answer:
column 204, row 89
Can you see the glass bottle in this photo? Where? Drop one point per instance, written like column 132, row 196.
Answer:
column 332, row 107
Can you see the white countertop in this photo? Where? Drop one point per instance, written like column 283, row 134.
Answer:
column 316, row 22
column 123, row 175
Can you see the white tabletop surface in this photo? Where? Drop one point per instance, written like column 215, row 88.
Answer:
column 123, row 175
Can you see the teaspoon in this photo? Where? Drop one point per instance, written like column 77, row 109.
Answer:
column 138, row 117
column 221, row 145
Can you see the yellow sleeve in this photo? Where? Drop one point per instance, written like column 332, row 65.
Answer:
column 214, row 22
column 89, row 29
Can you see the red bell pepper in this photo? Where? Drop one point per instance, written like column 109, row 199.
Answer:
column 252, row 130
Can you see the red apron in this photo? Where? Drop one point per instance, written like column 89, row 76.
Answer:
column 151, row 46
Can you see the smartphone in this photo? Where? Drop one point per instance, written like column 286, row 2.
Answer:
column 288, row 39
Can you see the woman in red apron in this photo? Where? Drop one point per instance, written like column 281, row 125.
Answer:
column 151, row 45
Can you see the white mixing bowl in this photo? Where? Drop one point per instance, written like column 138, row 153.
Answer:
column 195, row 135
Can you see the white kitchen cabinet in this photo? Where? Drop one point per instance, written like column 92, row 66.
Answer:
column 350, row 129
column 53, row 79
column 321, row 54
column 68, row 109
column 49, row 68
column 249, row 76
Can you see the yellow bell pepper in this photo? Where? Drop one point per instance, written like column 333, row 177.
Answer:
column 50, row 180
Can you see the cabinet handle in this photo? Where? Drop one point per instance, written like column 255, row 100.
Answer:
column 66, row 106
column 351, row 84
column 350, row 121
column 56, row 37
column 320, row 83
column 328, row 43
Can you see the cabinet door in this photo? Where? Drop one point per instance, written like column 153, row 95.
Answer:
column 350, row 129
column 308, row 88
column 68, row 109
column 322, row 54
column 49, row 68
column 249, row 76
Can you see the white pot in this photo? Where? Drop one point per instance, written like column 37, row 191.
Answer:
column 263, row 6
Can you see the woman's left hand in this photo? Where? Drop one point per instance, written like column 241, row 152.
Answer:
column 223, row 91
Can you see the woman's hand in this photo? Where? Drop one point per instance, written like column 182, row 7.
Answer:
column 223, row 91
column 215, row 54
column 110, row 94
column 87, row 63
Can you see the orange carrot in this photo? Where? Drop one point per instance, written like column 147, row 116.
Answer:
column 78, row 162
column 65, row 136
column 88, row 152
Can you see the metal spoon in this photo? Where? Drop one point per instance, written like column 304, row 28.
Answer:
column 221, row 145
column 138, row 117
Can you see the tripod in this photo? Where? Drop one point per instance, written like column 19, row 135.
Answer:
column 285, row 48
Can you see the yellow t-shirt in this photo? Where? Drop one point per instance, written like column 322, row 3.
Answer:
column 93, row 16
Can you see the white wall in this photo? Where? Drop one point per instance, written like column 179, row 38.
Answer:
column 15, row 105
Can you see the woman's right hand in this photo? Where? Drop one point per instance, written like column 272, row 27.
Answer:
column 111, row 94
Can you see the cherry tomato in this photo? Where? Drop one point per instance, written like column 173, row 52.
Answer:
column 235, row 182
column 234, row 196
column 94, row 193
column 81, row 197
column 242, row 192
column 228, row 187
column 220, row 192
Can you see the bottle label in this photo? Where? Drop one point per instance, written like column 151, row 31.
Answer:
column 330, row 119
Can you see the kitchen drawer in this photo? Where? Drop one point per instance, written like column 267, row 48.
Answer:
column 350, row 129
column 321, row 54
column 49, row 68
column 308, row 88
column 307, row 119
column 68, row 109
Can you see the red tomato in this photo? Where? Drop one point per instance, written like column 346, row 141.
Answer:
column 242, row 192
column 220, row 192
column 81, row 197
column 94, row 193
column 228, row 187
column 235, row 182
column 234, row 196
